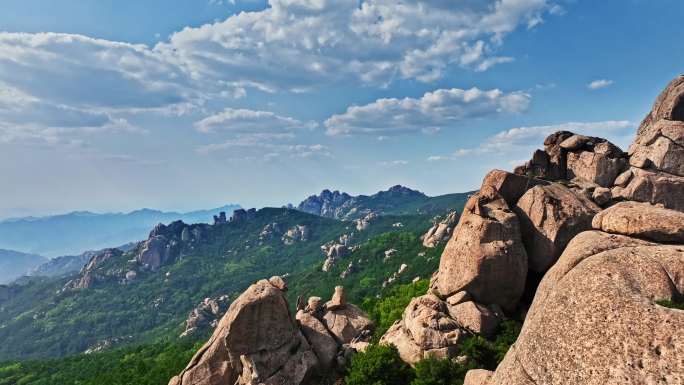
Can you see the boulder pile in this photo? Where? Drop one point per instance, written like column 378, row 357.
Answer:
column 604, row 228
column 258, row 341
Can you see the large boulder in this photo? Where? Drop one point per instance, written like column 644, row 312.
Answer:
column 257, row 341
column 599, row 322
column 510, row 186
column 322, row 343
column 568, row 156
column 426, row 329
column 346, row 322
column 642, row 220
column 485, row 256
column 653, row 187
column 550, row 216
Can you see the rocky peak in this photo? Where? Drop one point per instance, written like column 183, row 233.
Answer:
column 326, row 204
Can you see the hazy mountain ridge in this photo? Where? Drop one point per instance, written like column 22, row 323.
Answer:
column 76, row 232
column 14, row 264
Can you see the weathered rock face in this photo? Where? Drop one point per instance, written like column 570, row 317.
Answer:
column 653, row 187
column 569, row 156
column 485, row 256
column 550, row 216
column 298, row 233
column 440, row 231
column 642, row 220
column 259, row 342
column 333, row 253
column 598, row 323
column 206, row 315
column 657, row 153
column 166, row 243
column 426, row 329
column 432, row 327
column 510, row 186
column 89, row 275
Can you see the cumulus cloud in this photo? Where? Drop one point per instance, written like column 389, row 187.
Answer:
column 250, row 121
column 526, row 138
column 294, row 45
column 431, row 112
column 600, row 83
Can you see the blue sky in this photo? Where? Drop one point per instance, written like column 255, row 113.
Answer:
column 110, row 105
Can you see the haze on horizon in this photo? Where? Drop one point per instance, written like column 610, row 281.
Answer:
column 189, row 104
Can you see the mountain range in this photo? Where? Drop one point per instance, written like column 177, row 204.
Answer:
column 14, row 264
column 145, row 293
column 76, row 232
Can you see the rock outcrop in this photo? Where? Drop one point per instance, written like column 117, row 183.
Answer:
column 333, row 253
column 89, row 275
column 298, row 233
column 441, row 230
column 431, row 327
column 485, row 256
column 206, row 315
column 166, row 243
column 549, row 217
column 642, row 220
column 596, row 317
column 259, row 342
column 657, row 154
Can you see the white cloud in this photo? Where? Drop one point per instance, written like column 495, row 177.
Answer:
column 265, row 147
column 295, row 45
column 250, row 121
column 299, row 44
column 532, row 137
column 600, row 83
column 433, row 111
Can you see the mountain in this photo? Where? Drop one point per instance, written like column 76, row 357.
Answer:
column 146, row 293
column 73, row 233
column 14, row 264
column 397, row 200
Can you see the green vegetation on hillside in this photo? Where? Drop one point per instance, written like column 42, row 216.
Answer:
column 144, row 365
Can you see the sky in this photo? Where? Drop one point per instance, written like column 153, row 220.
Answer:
column 185, row 104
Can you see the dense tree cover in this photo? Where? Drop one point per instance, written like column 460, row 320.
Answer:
column 144, row 365
column 372, row 366
column 379, row 365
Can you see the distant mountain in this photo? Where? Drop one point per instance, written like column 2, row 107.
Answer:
column 397, row 200
column 73, row 233
column 14, row 264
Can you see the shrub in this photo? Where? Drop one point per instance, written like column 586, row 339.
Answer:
column 671, row 304
column 379, row 365
column 432, row 371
